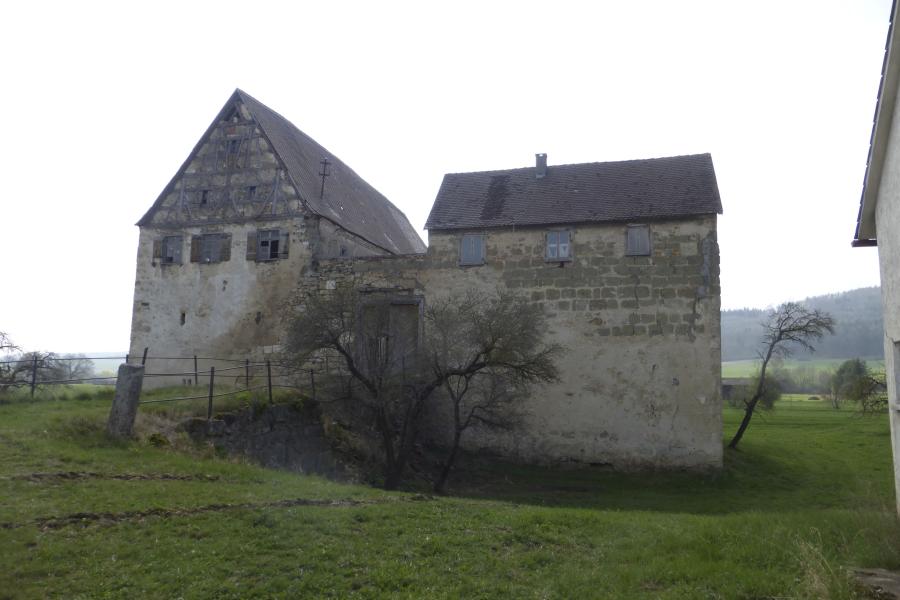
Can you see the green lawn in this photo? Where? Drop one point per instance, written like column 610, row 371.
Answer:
column 809, row 494
column 748, row 368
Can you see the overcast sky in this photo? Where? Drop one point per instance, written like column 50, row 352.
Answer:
column 103, row 102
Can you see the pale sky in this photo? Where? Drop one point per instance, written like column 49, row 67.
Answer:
column 102, row 102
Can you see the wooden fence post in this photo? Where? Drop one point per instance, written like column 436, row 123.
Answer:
column 212, row 378
column 312, row 383
column 247, row 373
column 269, row 376
column 144, row 358
column 196, row 374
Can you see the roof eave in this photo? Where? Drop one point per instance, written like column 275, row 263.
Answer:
column 865, row 234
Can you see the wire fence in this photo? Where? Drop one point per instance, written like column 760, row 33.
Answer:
column 242, row 375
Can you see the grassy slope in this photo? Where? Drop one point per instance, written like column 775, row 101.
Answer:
column 810, row 492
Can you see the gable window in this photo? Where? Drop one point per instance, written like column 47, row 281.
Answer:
column 637, row 240
column 251, row 193
column 232, row 152
column 204, row 197
column 168, row 250
column 267, row 244
column 211, row 248
column 558, row 247
column 471, row 249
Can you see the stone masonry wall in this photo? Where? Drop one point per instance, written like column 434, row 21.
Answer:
column 640, row 383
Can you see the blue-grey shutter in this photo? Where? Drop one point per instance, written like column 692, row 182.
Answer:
column 251, row 245
column 283, row 245
column 637, row 240
column 178, row 242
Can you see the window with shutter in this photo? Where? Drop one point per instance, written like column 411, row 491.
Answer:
column 283, row 249
column 271, row 244
column 170, row 253
column 251, row 245
column 211, row 248
column 471, row 249
column 558, row 247
column 637, row 240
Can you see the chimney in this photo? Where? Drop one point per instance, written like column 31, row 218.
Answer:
column 540, row 167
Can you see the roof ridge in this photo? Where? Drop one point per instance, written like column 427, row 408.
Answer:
column 580, row 164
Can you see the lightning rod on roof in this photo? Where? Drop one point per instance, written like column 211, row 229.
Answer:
column 323, row 174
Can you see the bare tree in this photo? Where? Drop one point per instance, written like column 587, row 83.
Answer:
column 788, row 327
column 504, row 330
column 389, row 361
column 6, row 344
column 71, row 367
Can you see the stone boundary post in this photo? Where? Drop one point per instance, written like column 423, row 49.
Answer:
column 125, row 403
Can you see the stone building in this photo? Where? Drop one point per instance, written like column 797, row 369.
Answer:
column 246, row 215
column 621, row 255
column 878, row 223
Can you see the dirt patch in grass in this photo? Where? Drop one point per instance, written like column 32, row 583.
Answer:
column 74, row 475
column 109, row 518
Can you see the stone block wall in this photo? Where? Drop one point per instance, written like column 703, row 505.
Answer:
column 640, row 383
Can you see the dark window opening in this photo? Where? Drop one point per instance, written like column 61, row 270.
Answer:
column 268, row 244
column 390, row 335
column 251, row 193
column 344, row 251
column 211, row 248
column 204, row 197
column 171, row 250
column 183, row 317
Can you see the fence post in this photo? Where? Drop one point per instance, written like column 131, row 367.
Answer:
column 144, row 358
column 196, row 374
column 269, row 376
column 247, row 373
column 312, row 383
column 212, row 378
column 125, row 403
column 33, row 374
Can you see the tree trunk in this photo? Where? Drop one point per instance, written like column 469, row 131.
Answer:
column 748, row 414
column 439, row 485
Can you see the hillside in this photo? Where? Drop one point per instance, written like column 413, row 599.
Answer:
column 858, row 331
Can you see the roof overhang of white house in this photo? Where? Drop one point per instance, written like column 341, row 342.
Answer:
column 878, row 144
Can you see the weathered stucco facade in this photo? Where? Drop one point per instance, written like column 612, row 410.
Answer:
column 640, row 377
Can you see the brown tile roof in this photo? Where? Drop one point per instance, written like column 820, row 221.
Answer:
column 632, row 190
column 349, row 201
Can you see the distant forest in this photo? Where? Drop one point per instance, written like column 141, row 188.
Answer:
column 858, row 332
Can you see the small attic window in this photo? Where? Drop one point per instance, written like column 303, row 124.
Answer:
column 251, row 193
column 471, row 249
column 637, row 240
column 204, row 197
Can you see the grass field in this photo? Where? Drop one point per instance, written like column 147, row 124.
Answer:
column 809, row 494
column 748, row 368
